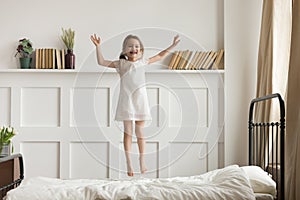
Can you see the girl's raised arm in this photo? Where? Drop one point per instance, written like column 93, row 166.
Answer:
column 101, row 61
column 165, row 52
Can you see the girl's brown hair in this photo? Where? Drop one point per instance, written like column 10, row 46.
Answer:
column 122, row 55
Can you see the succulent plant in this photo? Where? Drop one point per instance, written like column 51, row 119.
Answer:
column 24, row 48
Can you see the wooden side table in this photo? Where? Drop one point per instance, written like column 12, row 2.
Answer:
column 11, row 173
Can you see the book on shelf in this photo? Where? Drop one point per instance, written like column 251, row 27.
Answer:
column 212, row 60
column 178, row 58
column 189, row 60
column 200, row 59
column 204, row 59
column 37, row 58
column 58, row 58
column 63, row 53
column 43, row 64
column 46, row 58
column 183, row 61
column 172, row 61
column 49, row 58
column 191, row 63
column 219, row 62
column 54, row 65
column 207, row 59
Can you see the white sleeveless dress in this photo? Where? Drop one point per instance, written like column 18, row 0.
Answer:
column 133, row 100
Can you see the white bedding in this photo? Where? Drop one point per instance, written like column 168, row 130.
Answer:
column 260, row 181
column 227, row 183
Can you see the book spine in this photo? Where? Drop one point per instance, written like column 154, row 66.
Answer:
column 199, row 59
column 216, row 64
column 175, row 66
column 63, row 59
column 36, row 58
column 172, row 61
column 186, row 62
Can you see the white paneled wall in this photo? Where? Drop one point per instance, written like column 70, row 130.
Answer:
column 5, row 114
column 67, row 128
column 40, row 106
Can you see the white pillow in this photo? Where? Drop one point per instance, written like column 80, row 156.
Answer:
column 260, row 181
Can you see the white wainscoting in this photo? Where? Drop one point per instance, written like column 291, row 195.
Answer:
column 67, row 129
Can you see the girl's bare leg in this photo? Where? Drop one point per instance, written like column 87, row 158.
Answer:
column 139, row 126
column 127, row 145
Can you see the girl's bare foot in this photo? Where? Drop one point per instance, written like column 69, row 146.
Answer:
column 130, row 173
column 129, row 170
column 142, row 166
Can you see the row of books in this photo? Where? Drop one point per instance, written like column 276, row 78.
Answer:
column 50, row 58
column 189, row 60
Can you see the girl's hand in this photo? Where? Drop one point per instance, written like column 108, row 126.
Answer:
column 163, row 53
column 96, row 40
column 176, row 40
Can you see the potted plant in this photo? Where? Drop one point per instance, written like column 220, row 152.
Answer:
column 68, row 37
column 6, row 134
column 24, row 50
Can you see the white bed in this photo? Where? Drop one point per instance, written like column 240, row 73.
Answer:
column 232, row 182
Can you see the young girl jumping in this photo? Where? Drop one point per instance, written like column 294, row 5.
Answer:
column 133, row 103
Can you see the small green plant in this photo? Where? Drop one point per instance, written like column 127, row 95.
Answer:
column 6, row 134
column 68, row 38
column 24, row 48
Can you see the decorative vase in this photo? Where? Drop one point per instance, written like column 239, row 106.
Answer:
column 5, row 150
column 70, row 59
column 25, row 63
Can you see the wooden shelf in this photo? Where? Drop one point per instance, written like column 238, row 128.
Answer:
column 107, row 70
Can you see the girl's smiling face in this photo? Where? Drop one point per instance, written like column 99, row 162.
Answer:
column 133, row 49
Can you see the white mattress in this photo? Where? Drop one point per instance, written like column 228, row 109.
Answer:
column 228, row 183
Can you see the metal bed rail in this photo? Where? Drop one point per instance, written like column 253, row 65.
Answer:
column 266, row 143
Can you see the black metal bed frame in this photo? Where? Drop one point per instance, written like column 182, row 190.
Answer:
column 266, row 143
column 15, row 183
